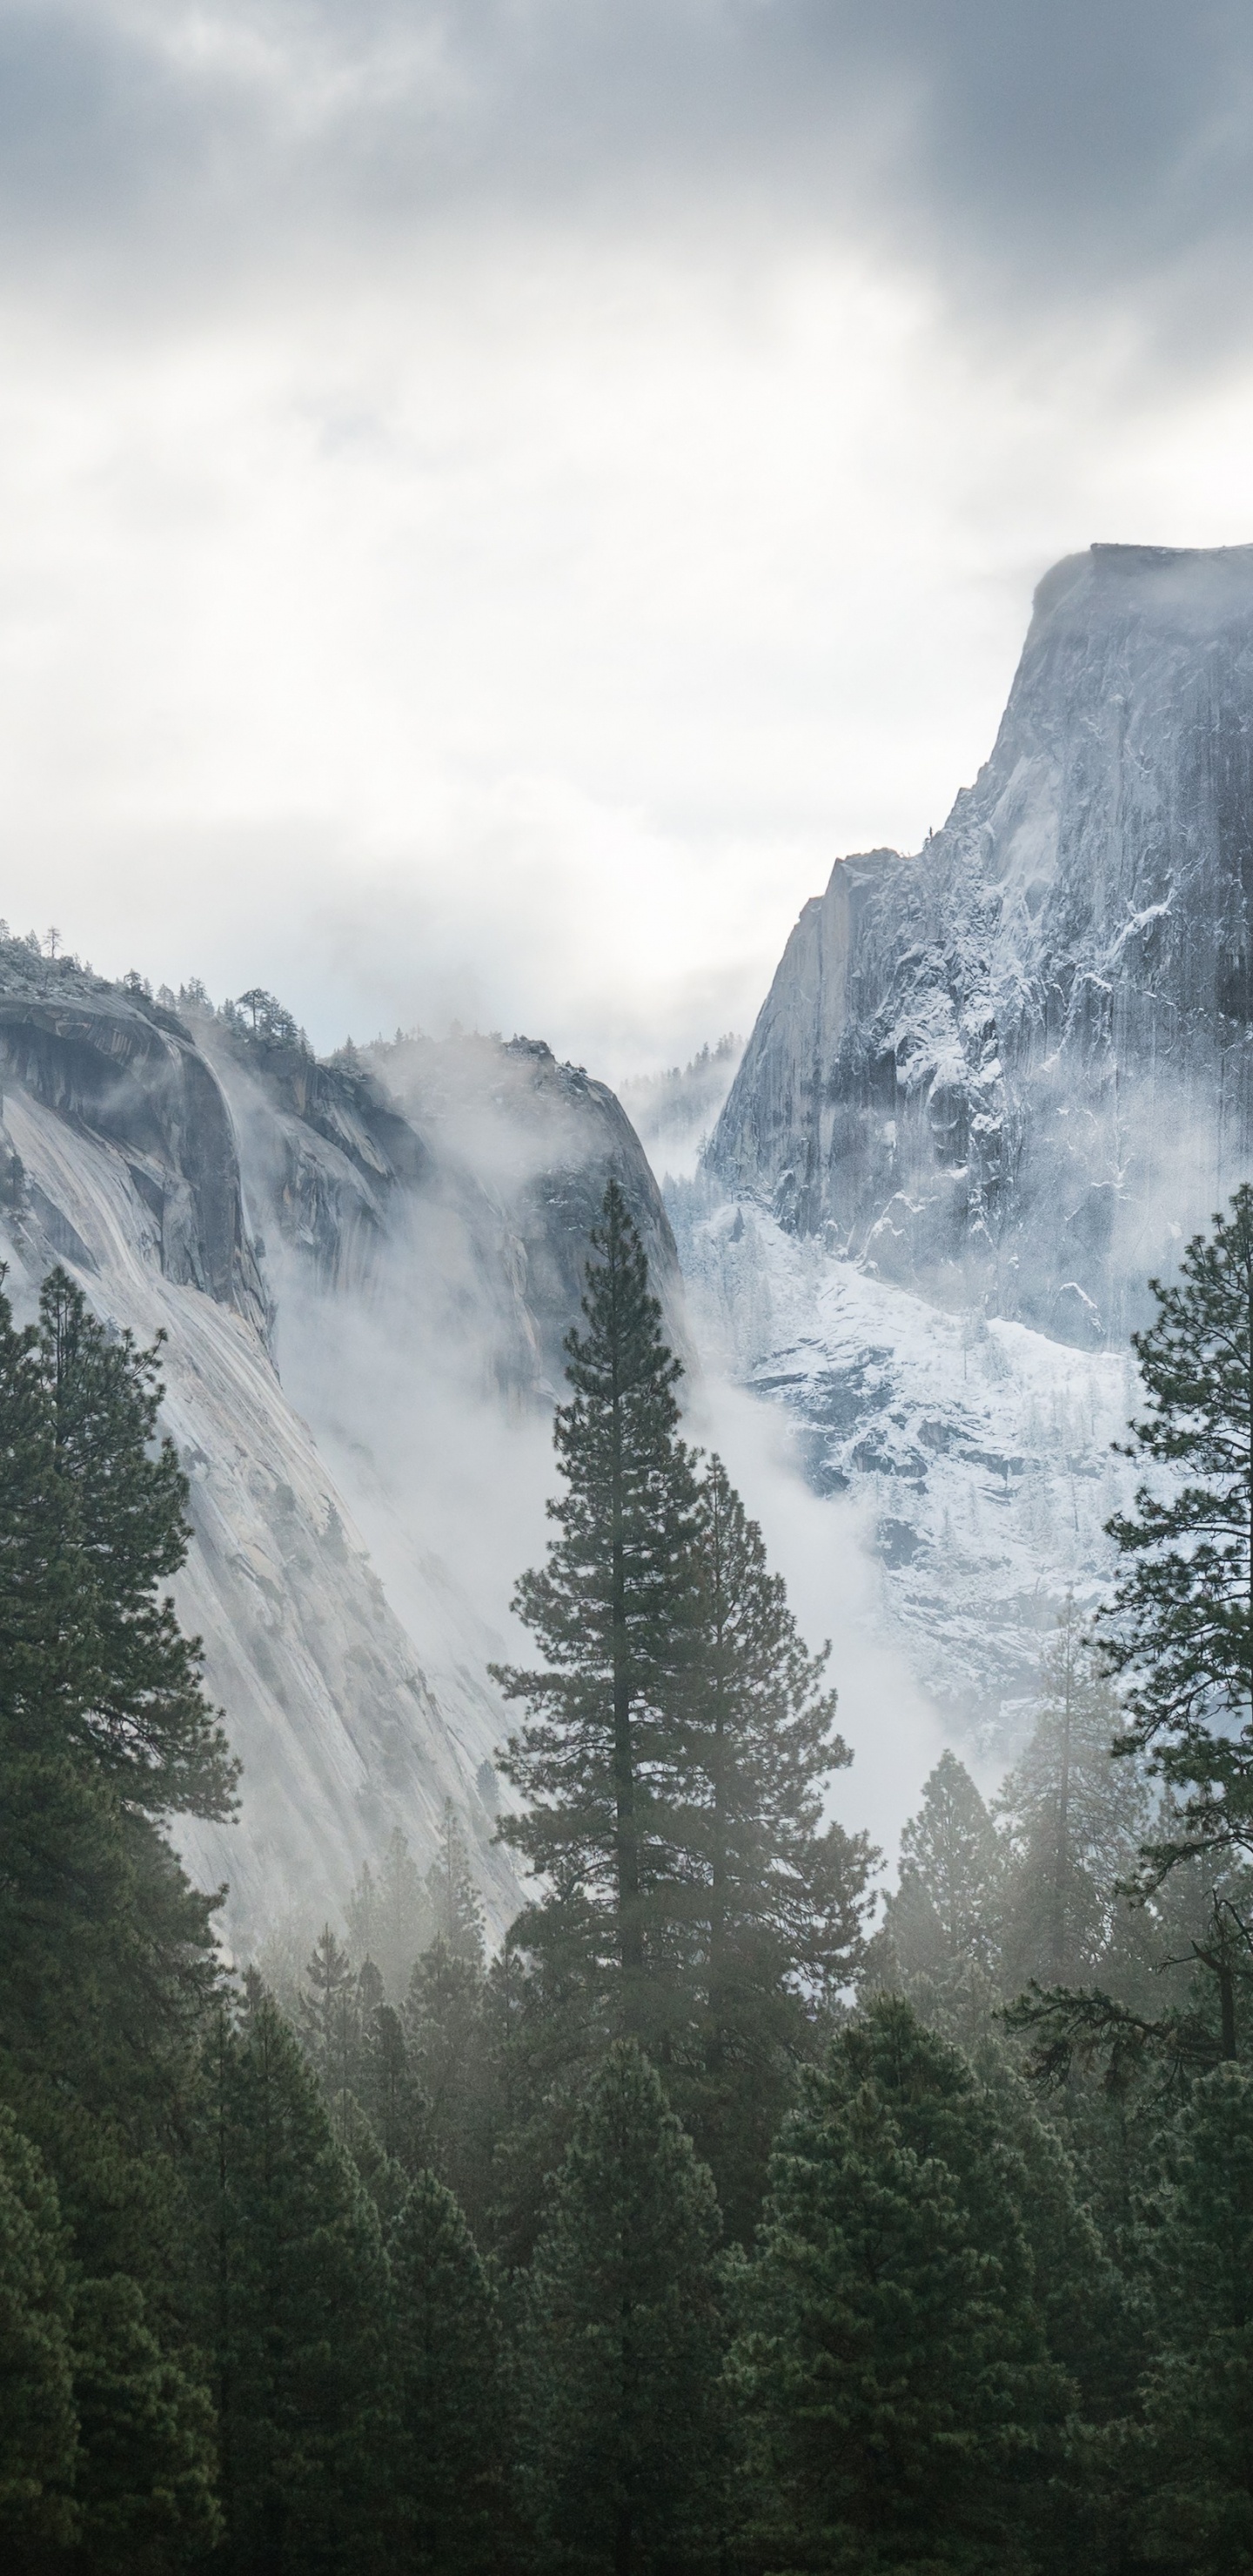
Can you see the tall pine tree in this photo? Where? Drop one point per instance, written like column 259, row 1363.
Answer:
column 612, row 1611
column 892, row 2365
column 620, row 2357
column 1192, row 2466
column 1180, row 1625
column 445, row 2451
column 771, row 1902
column 109, row 1965
column 293, row 2285
column 1075, row 1818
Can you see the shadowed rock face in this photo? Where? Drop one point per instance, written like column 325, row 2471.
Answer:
column 406, row 1237
column 1013, row 1068
column 132, row 1076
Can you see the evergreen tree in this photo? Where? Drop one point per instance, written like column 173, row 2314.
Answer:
column 941, row 1938
column 329, row 2021
column 108, row 1950
column 389, row 2091
column 443, row 2031
column 612, row 1612
column 453, row 1902
column 620, row 2359
column 1075, row 1819
column 770, row 1903
column 1181, row 1622
column 445, row 2452
column 38, row 2419
column 389, row 1916
column 147, row 2482
column 545, row 2026
column 1191, row 2468
column 94, row 1519
column 294, row 2282
column 892, row 2364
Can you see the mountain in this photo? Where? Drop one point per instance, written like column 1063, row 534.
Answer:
column 992, row 1089
column 1008, row 1071
column 364, row 1268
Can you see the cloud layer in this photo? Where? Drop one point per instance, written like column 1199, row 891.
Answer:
column 494, row 496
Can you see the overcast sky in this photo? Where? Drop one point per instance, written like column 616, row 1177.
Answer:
column 494, row 498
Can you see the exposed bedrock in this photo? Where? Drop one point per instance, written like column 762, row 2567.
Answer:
column 1017, row 1067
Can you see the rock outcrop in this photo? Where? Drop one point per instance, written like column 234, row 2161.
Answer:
column 1012, row 1070
column 353, row 1262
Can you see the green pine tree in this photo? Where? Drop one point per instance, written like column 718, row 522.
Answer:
column 110, row 1678
column 454, row 1905
column 620, row 2360
column 770, row 1902
column 941, row 1937
column 445, row 2452
column 444, row 2036
column 1190, row 2466
column 329, row 2022
column 1180, row 1625
column 147, row 2481
column 612, row 1613
column 389, row 1916
column 293, row 2283
column 1074, row 1819
column 109, row 1961
column 39, row 2451
column 390, row 2093
column 892, row 2365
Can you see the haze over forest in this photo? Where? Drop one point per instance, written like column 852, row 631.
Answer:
column 626, row 1288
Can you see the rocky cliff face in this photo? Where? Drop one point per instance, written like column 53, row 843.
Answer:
column 1011, row 1070
column 349, row 1290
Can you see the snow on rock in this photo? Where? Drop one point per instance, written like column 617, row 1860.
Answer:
column 365, row 1270
column 1013, row 1070
column 978, row 1452
column 341, row 1730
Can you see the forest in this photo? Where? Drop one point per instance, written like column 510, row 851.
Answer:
column 730, row 2218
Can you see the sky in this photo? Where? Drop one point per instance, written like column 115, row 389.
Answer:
column 494, row 498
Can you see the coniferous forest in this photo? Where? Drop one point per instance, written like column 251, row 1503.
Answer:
column 723, row 2218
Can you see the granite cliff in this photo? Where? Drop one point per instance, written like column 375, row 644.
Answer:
column 1008, row 1071
column 364, row 1279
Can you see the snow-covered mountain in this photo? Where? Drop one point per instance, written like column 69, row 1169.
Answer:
column 971, row 1459
column 992, row 1089
column 364, row 1270
column 1008, row 1071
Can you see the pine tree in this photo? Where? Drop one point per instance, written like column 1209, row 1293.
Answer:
column 108, row 1950
column 329, row 2021
column 620, row 2359
column 389, row 1917
column 443, row 2032
column 453, row 1901
column 891, row 2364
column 941, row 1939
column 1192, row 2466
column 147, row 2480
column 1180, row 1625
column 112, row 1679
column 39, row 2452
column 444, row 2456
column 771, row 1904
column 1075, row 1819
column 293, row 2278
column 612, row 1612
column 390, row 2093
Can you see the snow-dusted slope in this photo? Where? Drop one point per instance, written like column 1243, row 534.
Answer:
column 978, row 1453
column 1011, row 1070
column 342, row 1731
column 362, row 1320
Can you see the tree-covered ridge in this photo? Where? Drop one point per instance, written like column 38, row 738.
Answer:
column 702, row 2231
